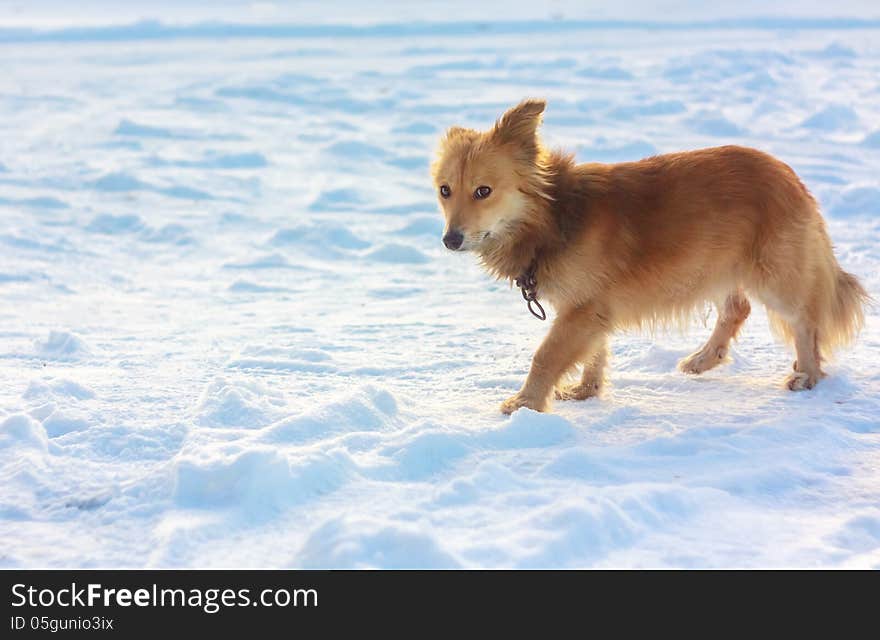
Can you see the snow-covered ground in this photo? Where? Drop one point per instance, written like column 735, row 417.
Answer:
column 230, row 335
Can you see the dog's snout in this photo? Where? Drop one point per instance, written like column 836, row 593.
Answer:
column 453, row 239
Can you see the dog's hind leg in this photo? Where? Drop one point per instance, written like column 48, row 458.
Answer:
column 731, row 316
column 592, row 378
column 807, row 367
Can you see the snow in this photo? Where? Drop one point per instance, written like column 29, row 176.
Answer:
column 230, row 334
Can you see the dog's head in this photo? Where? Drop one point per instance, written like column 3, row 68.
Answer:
column 485, row 179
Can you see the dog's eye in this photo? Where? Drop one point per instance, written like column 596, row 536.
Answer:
column 445, row 191
column 482, row 192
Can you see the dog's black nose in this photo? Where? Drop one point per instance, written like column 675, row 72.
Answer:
column 453, row 239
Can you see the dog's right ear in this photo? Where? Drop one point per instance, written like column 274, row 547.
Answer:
column 520, row 123
column 452, row 143
column 455, row 132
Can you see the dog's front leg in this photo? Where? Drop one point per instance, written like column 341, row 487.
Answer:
column 575, row 334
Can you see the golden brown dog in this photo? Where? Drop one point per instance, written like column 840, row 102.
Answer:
column 644, row 243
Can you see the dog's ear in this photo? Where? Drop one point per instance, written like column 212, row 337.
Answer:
column 455, row 132
column 520, row 123
column 454, row 135
column 453, row 142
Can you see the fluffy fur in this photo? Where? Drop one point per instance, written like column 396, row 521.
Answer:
column 645, row 243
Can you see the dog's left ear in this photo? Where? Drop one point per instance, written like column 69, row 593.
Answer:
column 520, row 123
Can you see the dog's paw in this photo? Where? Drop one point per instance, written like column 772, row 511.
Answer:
column 703, row 360
column 579, row 391
column 518, row 400
column 801, row 381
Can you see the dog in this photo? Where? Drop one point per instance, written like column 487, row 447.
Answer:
column 644, row 243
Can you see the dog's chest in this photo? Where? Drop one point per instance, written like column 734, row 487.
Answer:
column 566, row 285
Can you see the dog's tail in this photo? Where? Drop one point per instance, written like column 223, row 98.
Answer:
column 832, row 302
column 845, row 313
